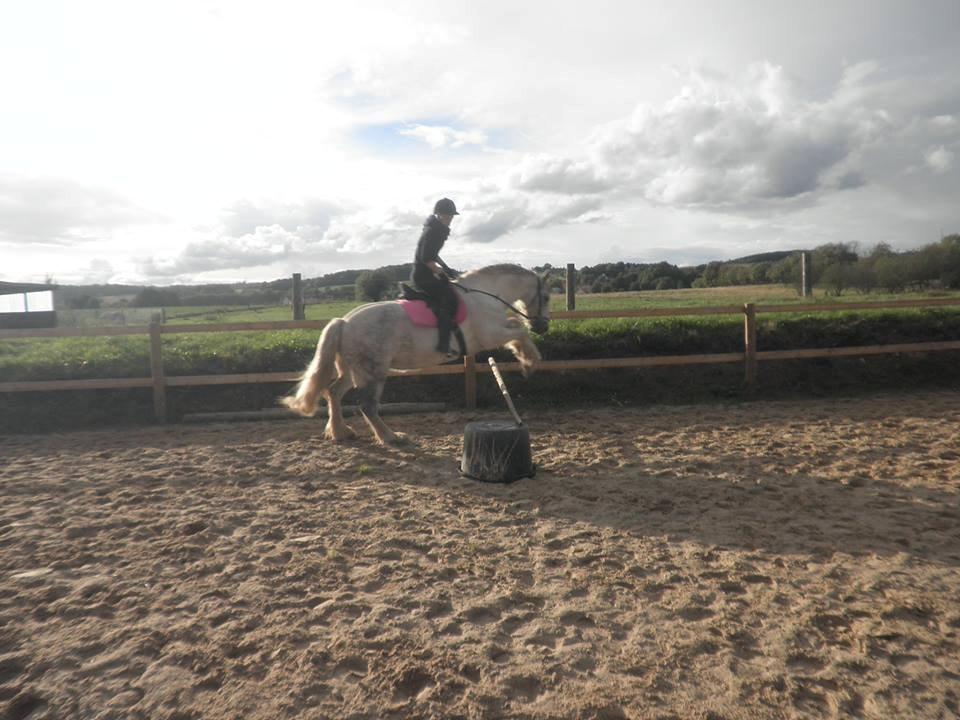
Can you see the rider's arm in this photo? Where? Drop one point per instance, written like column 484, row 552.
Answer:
column 450, row 272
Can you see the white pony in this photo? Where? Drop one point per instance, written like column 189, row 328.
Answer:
column 359, row 349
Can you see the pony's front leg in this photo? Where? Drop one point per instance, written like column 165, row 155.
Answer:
column 522, row 347
column 337, row 430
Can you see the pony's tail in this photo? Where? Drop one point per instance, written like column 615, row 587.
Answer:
column 320, row 374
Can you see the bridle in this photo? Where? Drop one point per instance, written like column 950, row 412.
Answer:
column 537, row 320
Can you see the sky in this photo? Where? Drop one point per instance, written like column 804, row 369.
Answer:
column 189, row 142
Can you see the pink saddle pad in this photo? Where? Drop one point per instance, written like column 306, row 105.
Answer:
column 421, row 315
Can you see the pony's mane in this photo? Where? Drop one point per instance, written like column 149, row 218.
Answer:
column 501, row 269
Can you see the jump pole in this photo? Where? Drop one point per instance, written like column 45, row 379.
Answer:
column 503, row 389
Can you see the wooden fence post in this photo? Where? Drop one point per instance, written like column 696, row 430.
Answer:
column 156, row 372
column 470, row 381
column 750, row 346
column 571, row 287
column 298, row 313
column 806, row 275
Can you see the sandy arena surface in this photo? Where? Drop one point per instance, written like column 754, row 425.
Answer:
column 765, row 560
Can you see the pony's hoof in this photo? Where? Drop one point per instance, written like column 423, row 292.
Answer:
column 343, row 435
column 394, row 439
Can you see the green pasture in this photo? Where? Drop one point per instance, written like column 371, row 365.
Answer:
column 281, row 351
column 235, row 352
column 689, row 297
column 187, row 315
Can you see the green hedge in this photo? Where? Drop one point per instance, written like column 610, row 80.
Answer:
column 225, row 353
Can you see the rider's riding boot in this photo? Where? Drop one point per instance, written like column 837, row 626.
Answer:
column 443, row 330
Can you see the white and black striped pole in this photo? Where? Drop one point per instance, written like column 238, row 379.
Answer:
column 503, row 389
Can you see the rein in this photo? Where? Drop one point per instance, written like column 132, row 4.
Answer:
column 497, row 297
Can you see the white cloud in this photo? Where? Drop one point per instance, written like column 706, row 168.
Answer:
column 939, row 159
column 99, row 271
column 735, row 142
column 60, row 211
column 439, row 136
column 273, row 102
column 308, row 218
column 249, row 235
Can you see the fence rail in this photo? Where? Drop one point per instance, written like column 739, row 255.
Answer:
column 750, row 357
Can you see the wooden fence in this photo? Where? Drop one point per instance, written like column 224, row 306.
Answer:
column 750, row 357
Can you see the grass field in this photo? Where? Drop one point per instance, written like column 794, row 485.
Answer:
column 690, row 297
column 28, row 359
column 200, row 353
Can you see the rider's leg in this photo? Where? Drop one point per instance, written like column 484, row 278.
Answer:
column 443, row 330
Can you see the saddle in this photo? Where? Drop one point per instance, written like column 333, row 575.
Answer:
column 419, row 308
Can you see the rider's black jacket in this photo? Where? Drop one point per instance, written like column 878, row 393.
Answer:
column 434, row 235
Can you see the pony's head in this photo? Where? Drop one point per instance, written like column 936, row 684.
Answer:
column 526, row 291
column 537, row 304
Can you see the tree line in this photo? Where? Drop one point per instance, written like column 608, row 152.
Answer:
column 835, row 267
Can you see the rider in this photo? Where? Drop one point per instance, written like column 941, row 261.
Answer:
column 431, row 275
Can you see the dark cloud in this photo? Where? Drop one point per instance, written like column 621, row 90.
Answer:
column 725, row 143
column 62, row 212
column 752, row 144
column 574, row 209
column 486, row 225
column 499, row 214
column 263, row 247
column 559, row 175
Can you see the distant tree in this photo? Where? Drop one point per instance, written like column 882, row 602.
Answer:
column 881, row 250
column 830, row 254
column 372, row 285
column 711, row 275
column 863, row 276
column 758, row 273
column 83, row 302
column 156, row 297
column 949, row 248
column 924, row 266
column 835, row 278
column 890, row 273
column 786, row 271
column 623, row 281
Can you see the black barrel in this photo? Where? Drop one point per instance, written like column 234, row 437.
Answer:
column 496, row 451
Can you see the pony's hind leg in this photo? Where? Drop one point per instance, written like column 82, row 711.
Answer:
column 370, row 408
column 337, row 430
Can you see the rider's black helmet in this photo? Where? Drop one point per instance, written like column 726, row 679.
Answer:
column 445, row 206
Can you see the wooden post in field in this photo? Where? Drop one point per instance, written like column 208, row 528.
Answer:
column 806, row 275
column 470, row 382
column 750, row 346
column 571, row 287
column 298, row 313
column 156, row 372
